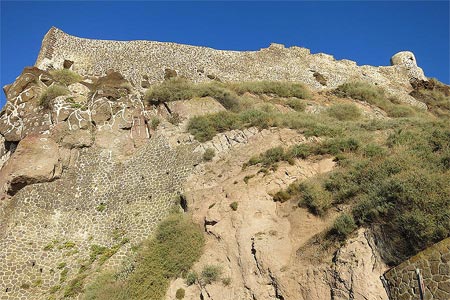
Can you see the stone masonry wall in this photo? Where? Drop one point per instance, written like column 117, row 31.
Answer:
column 146, row 61
column 98, row 202
column 434, row 265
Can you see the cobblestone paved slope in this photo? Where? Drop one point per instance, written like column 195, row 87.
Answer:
column 96, row 203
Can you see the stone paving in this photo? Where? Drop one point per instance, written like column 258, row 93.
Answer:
column 434, row 266
column 45, row 226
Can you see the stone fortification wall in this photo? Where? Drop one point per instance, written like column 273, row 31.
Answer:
column 48, row 230
column 434, row 266
column 146, row 62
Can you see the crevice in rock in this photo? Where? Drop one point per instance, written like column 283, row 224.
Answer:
column 275, row 286
column 11, row 146
column 183, row 203
column 208, row 223
column 167, row 108
column 14, row 187
column 372, row 250
column 254, row 256
column 250, row 291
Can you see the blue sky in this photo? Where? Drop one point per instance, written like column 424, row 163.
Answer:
column 366, row 32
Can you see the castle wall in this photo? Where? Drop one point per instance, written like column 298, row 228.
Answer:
column 146, row 61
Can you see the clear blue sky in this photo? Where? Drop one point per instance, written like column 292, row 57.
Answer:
column 366, row 32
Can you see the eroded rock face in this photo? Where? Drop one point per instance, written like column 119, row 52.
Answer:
column 22, row 114
column 36, row 159
column 407, row 60
column 357, row 270
column 263, row 246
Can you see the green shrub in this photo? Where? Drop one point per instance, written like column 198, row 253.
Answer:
column 281, row 196
column 191, row 278
column 51, row 93
column 300, row 151
column 175, row 246
column 296, row 104
column 204, row 128
column 344, row 112
column 247, row 178
column 154, row 123
column 373, row 150
column 400, row 111
column 173, row 89
column 342, row 186
column 361, row 90
column 101, row 207
column 174, row 119
column 436, row 96
column 61, row 265
column 65, row 76
column 234, row 205
column 178, row 88
column 218, row 91
column 278, row 88
column 67, row 245
column 75, row 286
column 209, row 154
column 210, row 274
column 180, row 293
column 226, row 281
column 344, row 225
column 338, row 145
column 314, row 197
column 63, row 276
column 48, row 247
column 270, row 157
column 54, row 289
column 96, row 251
column 374, row 95
column 105, row 287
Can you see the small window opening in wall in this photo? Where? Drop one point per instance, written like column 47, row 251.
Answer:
column 41, row 269
column 7, row 290
column 33, row 263
column 167, row 172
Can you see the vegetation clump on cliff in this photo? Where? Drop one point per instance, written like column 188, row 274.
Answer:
column 51, row 93
column 364, row 91
column 169, row 253
column 392, row 174
column 227, row 94
column 65, row 76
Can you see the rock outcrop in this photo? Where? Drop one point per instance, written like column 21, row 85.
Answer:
column 264, row 247
column 97, row 167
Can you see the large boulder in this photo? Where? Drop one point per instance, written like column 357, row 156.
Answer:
column 36, row 159
column 407, row 60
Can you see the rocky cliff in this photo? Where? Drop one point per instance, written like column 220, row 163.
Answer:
column 94, row 165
